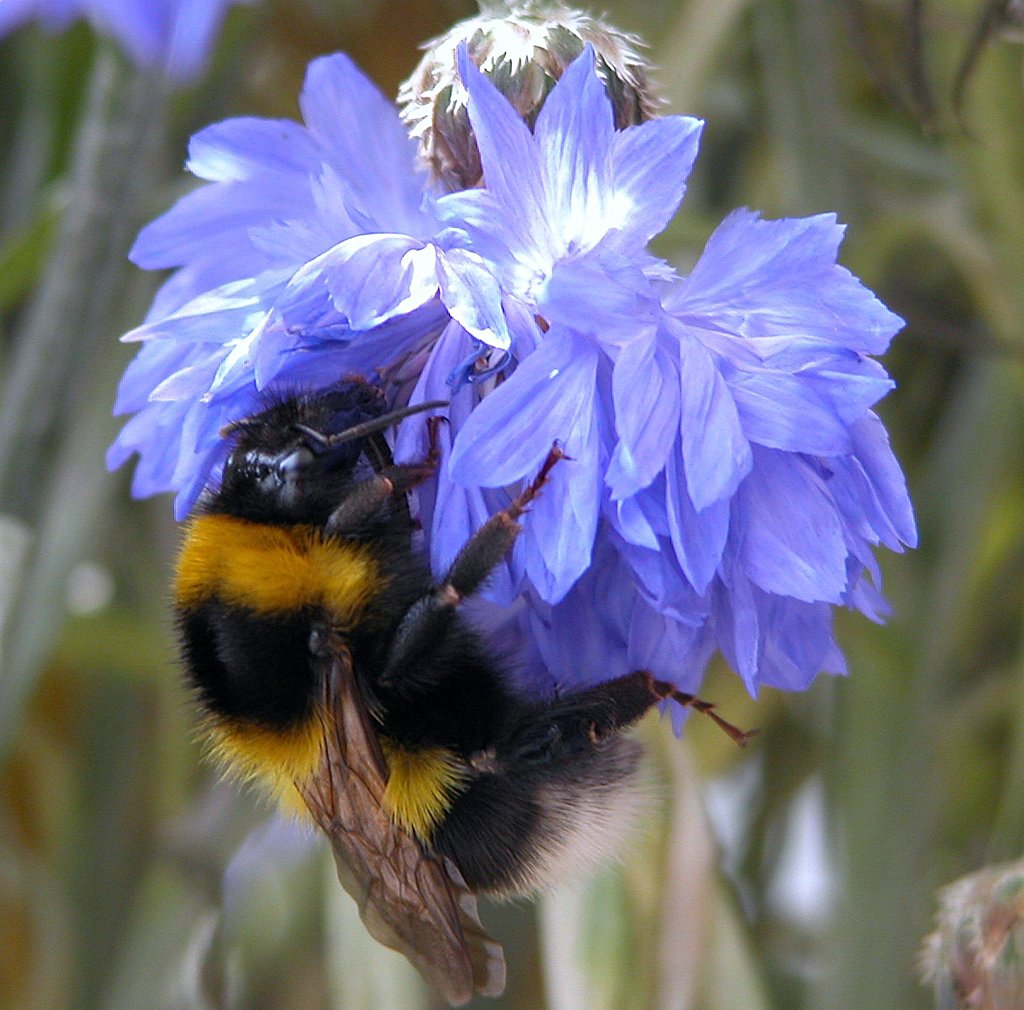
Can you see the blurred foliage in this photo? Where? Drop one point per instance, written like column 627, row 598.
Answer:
column 129, row 877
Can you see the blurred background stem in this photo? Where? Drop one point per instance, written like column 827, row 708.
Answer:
column 55, row 407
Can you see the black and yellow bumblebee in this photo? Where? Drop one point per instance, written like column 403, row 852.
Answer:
column 330, row 666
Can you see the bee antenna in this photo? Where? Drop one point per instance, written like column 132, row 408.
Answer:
column 373, row 425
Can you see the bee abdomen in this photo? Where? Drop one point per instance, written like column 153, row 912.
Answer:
column 531, row 825
column 249, row 667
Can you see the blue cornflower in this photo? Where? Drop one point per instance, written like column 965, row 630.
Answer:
column 720, row 424
column 176, row 35
column 728, row 479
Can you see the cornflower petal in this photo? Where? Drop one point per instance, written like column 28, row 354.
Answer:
column 372, row 278
column 211, row 223
column 698, row 537
column 472, row 296
column 549, row 398
column 792, row 542
column 508, row 435
column 669, row 649
column 760, row 278
column 53, row 14
column 645, row 391
column 508, row 153
column 358, row 129
column 576, row 649
column 252, row 150
column 874, row 454
column 574, row 132
column 659, row 580
column 715, row 451
column 650, row 166
column 175, row 35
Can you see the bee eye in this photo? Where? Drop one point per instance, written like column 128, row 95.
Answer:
column 295, row 463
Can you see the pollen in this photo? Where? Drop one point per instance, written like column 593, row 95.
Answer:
column 421, row 786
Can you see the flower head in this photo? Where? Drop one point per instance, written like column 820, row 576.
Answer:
column 176, row 35
column 727, row 479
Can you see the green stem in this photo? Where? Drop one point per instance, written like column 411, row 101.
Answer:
column 65, row 366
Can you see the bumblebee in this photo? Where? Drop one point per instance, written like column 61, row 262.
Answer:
column 331, row 667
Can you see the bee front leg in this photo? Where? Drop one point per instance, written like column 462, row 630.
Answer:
column 366, row 498
column 482, row 553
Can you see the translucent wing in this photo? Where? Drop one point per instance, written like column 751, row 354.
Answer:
column 412, row 902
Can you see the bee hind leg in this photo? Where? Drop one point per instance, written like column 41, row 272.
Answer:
column 584, row 719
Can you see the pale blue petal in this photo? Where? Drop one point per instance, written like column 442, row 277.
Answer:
column 549, row 396
column 798, row 645
column 846, row 379
column 662, row 584
column 215, row 217
column 775, row 278
column 367, row 144
column 472, row 296
column 738, row 627
column 555, row 548
column 863, row 596
column 187, row 383
column 574, row 131
column 629, row 521
column 250, row 149
column 790, row 537
column 371, row 278
column 599, row 293
column 651, row 163
column 509, row 155
column 583, row 639
column 783, row 411
column 871, row 445
column 53, row 15
column 670, row 650
column 716, row 453
column 645, row 391
column 698, row 538
column 154, row 361
column 195, row 25
column 214, row 317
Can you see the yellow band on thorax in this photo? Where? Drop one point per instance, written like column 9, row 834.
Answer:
column 273, row 569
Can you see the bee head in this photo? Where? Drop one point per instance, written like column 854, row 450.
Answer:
column 297, row 456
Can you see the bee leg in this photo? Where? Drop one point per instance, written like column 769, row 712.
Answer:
column 482, row 553
column 663, row 691
column 363, row 501
column 582, row 720
column 579, row 721
column 489, row 546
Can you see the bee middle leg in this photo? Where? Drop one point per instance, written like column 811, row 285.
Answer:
column 480, row 555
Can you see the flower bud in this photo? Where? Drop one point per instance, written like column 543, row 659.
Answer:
column 975, row 958
column 523, row 52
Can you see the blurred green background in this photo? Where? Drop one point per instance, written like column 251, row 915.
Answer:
column 800, row 873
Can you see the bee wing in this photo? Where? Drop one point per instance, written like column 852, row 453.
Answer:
column 409, row 901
